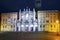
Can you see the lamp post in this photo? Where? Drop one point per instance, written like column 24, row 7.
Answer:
column 57, row 25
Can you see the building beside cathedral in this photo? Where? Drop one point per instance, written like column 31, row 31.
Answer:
column 8, row 21
column 48, row 21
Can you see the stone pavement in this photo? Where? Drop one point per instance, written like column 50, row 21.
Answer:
column 27, row 36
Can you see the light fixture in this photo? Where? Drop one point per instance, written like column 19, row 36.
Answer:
column 57, row 21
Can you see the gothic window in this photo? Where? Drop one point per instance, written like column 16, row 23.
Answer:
column 31, row 28
column 26, row 29
column 36, row 29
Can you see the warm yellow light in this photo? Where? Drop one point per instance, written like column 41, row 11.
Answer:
column 57, row 21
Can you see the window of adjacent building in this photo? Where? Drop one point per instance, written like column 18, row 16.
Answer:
column 51, row 29
column 54, row 13
column 51, row 25
column 3, row 26
column 43, row 21
column 14, row 26
column 51, row 14
column 11, row 26
column 47, row 15
column 43, row 26
column 51, row 21
column 3, row 21
column 47, row 21
column 54, row 26
column 54, row 17
column 40, row 26
column 51, row 17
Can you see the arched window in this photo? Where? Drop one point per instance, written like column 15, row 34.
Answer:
column 31, row 28
column 36, row 29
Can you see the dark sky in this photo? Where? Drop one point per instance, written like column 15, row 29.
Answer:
column 15, row 5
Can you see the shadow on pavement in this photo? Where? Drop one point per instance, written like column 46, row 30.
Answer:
column 25, row 36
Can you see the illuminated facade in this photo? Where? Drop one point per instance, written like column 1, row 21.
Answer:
column 26, row 21
column 48, row 21
column 8, row 21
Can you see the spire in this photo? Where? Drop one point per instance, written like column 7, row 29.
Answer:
column 26, row 8
column 20, row 11
column 29, row 9
column 33, row 9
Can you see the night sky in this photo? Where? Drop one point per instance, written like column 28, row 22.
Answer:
column 15, row 5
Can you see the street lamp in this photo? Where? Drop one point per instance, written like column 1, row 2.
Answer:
column 57, row 21
column 57, row 28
